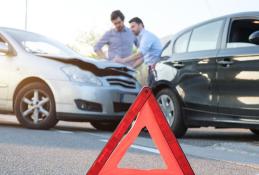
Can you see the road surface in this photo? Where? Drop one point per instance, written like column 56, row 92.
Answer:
column 70, row 149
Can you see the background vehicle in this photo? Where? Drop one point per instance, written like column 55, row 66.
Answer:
column 42, row 81
column 211, row 76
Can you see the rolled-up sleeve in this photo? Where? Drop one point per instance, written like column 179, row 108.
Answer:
column 145, row 45
column 103, row 41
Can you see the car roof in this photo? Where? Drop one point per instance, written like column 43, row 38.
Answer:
column 10, row 29
column 7, row 29
column 234, row 15
column 244, row 14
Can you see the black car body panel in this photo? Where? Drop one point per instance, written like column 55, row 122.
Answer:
column 218, row 86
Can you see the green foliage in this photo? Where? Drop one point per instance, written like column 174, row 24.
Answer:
column 84, row 43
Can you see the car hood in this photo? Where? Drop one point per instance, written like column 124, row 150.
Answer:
column 98, row 67
column 102, row 64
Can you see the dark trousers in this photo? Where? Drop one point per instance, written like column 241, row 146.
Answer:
column 151, row 76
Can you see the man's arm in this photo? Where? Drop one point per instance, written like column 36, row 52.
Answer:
column 137, row 63
column 99, row 45
column 144, row 47
column 131, row 58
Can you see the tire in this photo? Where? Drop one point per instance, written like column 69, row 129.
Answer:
column 171, row 108
column 105, row 126
column 255, row 131
column 34, row 106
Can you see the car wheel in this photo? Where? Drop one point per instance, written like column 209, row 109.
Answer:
column 35, row 106
column 169, row 103
column 105, row 126
column 255, row 131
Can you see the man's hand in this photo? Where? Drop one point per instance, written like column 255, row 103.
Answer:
column 100, row 54
column 129, row 59
column 118, row 60
column 137, row 63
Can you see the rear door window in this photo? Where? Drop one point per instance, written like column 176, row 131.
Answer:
column 205, row 37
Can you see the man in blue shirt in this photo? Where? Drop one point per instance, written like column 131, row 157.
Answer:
column 149, row 48
column 120, row 39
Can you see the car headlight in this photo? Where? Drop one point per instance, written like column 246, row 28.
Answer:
column 81, row 76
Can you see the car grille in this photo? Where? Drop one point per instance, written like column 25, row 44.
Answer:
column 127, row 83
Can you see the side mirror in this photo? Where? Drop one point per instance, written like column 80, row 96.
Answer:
column 4, row 48
column 254, row 38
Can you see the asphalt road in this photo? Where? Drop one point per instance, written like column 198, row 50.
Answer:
column 70, row 149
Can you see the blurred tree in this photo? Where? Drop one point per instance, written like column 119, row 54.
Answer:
column 84, row 43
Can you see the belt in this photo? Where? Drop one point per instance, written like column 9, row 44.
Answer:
column 152, row 66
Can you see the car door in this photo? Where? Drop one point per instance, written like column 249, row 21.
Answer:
column 238, row 73
column 4, row 77
column 197, row 69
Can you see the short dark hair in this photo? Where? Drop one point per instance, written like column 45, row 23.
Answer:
column 117, row 14
column 136, row 20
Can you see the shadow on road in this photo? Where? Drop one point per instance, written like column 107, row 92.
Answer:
column 68, row 126
column 222, row 135
column 208, row 134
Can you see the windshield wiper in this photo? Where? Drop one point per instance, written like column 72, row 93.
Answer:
column 56, row 57
column 39, row 52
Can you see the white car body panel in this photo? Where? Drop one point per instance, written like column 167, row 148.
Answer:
column 15, row 69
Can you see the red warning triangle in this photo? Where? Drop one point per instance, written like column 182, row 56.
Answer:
column 147, row 113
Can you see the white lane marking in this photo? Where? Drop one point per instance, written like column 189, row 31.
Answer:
column 207, row 153
column 156, row 151
column 143, row 148
column 103, row 135
column 108, row 136
column 64, row 132
column 152, row 150
column 211, row 152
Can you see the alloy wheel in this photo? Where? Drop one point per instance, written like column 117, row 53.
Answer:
column 35, row 106
column 167, row 106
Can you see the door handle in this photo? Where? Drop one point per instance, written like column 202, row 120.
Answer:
column 225, row 63
column 178, row 65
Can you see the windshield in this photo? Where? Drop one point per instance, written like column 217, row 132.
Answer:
column 40, row 45
column 167, row 49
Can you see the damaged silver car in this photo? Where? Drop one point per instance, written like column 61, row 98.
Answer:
column 43, row 81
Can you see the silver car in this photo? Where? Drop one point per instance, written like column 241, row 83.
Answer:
column 43, row 81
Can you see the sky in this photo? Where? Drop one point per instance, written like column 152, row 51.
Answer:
column 63, row 20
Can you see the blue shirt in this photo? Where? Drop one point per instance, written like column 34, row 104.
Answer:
column 149, row 46
column 120, row 43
